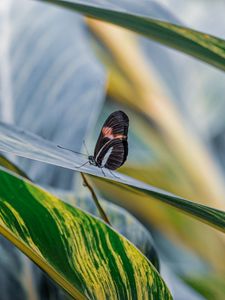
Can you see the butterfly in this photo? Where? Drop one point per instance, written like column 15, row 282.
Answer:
column 111, row 149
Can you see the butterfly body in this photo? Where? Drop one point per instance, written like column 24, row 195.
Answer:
column 92, row 161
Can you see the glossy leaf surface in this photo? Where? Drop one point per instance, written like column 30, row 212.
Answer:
column 31, row 146
column 80, row 252
column 121, row 220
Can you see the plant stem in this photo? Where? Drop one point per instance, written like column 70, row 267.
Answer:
column 100, row 209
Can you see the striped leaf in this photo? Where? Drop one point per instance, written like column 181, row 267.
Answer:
column 31, row 146
column 203, row 46
column 39, row 285
column 120, row 219
column 80, row 252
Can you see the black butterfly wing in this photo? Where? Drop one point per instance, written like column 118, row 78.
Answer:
column 115, row 126
column 111, row 149
column 118, row 154
column 113, row 154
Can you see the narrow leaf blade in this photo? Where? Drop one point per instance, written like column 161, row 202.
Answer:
column 205, row 47
column 31, row 146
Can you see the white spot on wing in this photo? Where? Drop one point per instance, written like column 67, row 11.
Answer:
column 106, row 157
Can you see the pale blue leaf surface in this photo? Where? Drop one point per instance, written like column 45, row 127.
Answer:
column 57, row 85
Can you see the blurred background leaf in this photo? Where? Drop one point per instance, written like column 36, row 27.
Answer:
column 200, row 45
column 51, row 81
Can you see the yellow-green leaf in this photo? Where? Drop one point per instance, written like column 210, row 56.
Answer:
column 81, row 253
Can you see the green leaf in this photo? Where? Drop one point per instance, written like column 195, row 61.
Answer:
column 120, row 219
column 31, row 146
column 208, row 215
column 203, row 46
column 211, row 286
column 40, row 285
column 80, row 252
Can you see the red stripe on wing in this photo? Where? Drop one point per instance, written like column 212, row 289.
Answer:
column 107, row 132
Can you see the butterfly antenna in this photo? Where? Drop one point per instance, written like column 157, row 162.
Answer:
column 83, row 164
column 71, row 150
column 86, row 147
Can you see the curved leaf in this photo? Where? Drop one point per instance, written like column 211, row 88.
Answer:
column 84, row 255
column 206, row 47
column 120, row 219
column 31, row 146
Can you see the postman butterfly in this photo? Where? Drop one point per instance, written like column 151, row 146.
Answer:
column 111, row 149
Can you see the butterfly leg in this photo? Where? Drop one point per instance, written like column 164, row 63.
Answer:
column 103, row 172
column 114, row 174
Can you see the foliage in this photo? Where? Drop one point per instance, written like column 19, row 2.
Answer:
column 54, row 98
